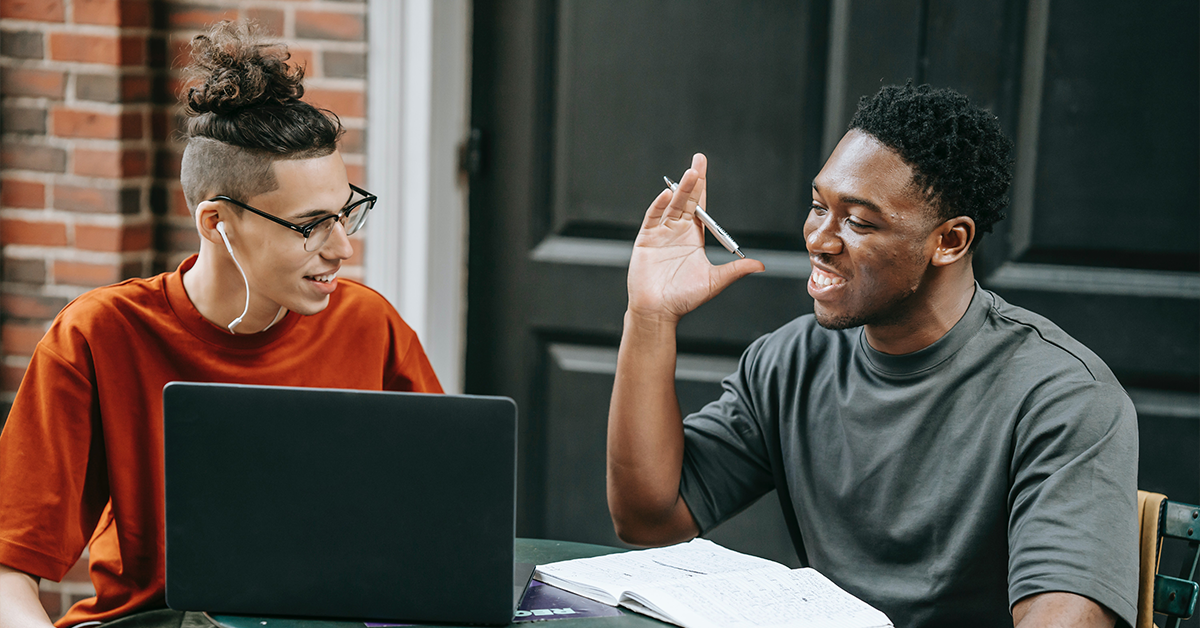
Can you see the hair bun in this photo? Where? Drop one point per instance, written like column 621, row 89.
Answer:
column 231, row 69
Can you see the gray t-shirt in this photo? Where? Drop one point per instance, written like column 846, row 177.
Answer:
column 940, row 486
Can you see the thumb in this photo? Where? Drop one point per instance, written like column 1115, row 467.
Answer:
column 722, row 276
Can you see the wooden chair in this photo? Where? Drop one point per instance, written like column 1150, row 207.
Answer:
column 1160, row 518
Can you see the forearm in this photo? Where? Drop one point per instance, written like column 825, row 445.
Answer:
column 19, row 603
column 645, row 438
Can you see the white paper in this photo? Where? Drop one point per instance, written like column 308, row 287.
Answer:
column 761, row 599
column 616, row 573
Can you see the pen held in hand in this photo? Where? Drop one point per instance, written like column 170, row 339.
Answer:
column 719, row 233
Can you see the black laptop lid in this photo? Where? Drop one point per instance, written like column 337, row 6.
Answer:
column 336, row 503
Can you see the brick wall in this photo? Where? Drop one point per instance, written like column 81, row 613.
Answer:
column 89, row 158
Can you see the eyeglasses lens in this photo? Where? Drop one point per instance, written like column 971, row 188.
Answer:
column 351, row 222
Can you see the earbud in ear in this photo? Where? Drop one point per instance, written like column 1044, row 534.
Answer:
column 221, row 230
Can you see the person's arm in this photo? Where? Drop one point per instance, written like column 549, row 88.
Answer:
column 1068, row 610
column 19, row 603
column 669, row 276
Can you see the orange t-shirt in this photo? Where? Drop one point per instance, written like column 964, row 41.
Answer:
column 81, row 456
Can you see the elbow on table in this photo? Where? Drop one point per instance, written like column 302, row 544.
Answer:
column 653, row 529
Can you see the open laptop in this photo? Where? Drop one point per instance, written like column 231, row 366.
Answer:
column 341, row 504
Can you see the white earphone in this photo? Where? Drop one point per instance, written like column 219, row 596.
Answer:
column 221, row 230
column 229, row 247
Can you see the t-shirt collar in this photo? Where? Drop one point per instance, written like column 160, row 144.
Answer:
column 202, row 328
column 941, row 350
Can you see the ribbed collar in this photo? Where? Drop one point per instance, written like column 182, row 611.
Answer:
column 938, row 352
column 202, row 328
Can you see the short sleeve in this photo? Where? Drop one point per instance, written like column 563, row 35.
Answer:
column 408, row 368
column 725, row 461
column 53, row 471
column 1073, row 502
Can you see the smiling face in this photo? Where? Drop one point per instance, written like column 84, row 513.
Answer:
column 869, row 237
column 280, row 271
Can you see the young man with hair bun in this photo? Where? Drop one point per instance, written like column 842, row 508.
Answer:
column 261, row 303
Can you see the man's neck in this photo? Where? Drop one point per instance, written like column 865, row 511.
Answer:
column 218, row 292
column 938, row 306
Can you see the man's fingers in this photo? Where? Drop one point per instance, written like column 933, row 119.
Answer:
column 683, row 203
column 655, row 213
column 725, row 274
column 700, row 165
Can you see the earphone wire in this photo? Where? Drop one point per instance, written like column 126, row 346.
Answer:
column 229, row 247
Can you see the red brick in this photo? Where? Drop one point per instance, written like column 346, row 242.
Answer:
column 270, row 20
column 112, row 12
column 345, row 103
column 356, row 174
column 179, row 206
column 330, row 25
column 17, row 193
column 126, row 50
column 22, row 338
column 359, row 245
column 352, row 142
column 26, row 82
column 302, row 58
column 33, row 157
column 179, row 52
column 135, row 163
column 135, row 88
column 175, row 85
column 40, row 10
column 81, row 123
column 30, row 306
column 33, row 232
column 112, row 88
column 113, row 239
column 133, row 50
column 111, row 163
column 89, row 274
column 180, row 16
column 182, row 238
column 97, row 200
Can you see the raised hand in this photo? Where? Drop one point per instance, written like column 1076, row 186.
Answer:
column 669, row 275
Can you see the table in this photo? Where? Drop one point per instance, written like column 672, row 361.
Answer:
column 536, row 551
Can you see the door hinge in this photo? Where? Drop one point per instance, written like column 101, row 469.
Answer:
column 470, row 153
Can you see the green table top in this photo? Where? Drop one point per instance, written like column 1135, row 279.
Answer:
column 536, row 551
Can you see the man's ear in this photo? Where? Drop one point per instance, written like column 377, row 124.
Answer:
column 953, row 240
column 208, row 214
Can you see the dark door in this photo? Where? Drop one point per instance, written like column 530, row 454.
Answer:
column 584, row 106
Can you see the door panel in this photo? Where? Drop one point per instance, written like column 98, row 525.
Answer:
column 641, row 85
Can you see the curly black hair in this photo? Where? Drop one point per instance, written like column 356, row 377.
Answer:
column 241, row 91
column 961, row 161
column 244, row 112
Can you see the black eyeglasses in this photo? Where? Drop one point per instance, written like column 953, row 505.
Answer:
column 316, row 232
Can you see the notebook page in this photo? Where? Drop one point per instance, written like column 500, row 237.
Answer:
column 615, row 573
column 761, row 599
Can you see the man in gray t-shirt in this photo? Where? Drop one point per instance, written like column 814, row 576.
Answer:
column 948, row 457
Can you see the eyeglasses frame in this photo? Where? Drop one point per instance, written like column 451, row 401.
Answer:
column 307, row 228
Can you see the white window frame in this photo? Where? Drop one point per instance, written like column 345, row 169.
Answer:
column 418, row 115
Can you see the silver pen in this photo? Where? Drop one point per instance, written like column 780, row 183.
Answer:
column 719, row 233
